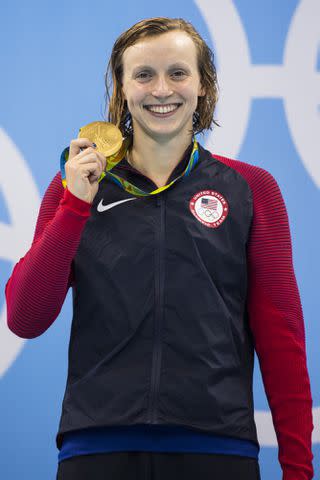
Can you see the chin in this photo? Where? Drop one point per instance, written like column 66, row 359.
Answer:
column 162, row 132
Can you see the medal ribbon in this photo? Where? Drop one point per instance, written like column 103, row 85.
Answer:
column 113, row 160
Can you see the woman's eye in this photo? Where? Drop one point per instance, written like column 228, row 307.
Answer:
column 143, row 75
column 147, row 75
column 179, row 73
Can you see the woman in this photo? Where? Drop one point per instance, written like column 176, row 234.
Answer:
column 181, row 265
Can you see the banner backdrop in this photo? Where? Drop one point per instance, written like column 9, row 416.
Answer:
column 53, row 61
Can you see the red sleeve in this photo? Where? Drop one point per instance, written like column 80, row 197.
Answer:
column 39, row 282
column 277, row 324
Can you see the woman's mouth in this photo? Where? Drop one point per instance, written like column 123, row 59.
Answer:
column 162, row 110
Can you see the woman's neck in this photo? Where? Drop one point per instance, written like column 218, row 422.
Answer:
column 157, row 160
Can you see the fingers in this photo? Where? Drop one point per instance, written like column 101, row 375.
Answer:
column 76, row 145
column 85, row 152
column 91, row 171
column 91, row 156
column 83, row 169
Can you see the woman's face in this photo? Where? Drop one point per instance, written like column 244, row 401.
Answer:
column 161, row 84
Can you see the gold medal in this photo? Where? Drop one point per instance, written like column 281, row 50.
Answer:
column 105, row 135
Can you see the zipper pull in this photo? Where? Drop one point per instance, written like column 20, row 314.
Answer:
column 158, row 199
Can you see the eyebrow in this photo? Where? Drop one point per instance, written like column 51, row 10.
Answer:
column 148, row 67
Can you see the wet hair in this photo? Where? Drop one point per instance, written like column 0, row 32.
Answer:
column 118, row 112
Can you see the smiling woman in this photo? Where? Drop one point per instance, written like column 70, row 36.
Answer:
column 172, row 292
column 161, row 73
column 154, row 29
column 161, row 96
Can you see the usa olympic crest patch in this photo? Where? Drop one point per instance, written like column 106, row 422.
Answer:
column 209, row 207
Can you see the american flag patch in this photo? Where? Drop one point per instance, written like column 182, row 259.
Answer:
column 209, row 207
column 210, row 203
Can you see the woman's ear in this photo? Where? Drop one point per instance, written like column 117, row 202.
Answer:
column 201, row 91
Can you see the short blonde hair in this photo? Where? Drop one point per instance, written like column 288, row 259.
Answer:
column 118, row 110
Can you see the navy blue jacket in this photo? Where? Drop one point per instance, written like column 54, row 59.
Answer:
column 160, row 330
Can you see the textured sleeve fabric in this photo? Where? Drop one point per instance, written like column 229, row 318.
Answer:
column 39, row 282
column 276, row 320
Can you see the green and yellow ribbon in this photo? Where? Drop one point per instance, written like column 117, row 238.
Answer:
column 113, row 160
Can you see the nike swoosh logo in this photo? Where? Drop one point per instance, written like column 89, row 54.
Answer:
column 102, row 208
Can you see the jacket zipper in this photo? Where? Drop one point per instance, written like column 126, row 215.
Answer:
column 159, row 284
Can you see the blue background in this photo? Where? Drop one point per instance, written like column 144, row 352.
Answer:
column 53, row 58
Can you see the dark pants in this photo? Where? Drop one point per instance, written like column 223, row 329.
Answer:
column 158, row 466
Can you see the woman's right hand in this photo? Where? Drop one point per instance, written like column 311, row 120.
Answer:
column 83, row 169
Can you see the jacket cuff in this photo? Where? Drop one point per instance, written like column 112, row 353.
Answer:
column 74, row 203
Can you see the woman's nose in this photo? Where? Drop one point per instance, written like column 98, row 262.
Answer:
column 161, row 87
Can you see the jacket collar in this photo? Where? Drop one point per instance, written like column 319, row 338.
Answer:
column 124, row 169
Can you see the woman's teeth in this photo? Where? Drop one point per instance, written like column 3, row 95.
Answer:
column 162, row 109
